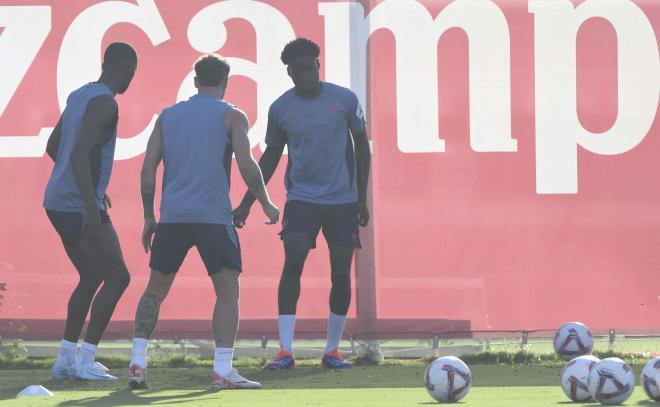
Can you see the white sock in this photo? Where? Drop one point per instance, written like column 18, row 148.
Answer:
column 67, row 353
column 286, row 325
column 335, row 330
column 222, row 364
column 139, row 353
column 87, row 353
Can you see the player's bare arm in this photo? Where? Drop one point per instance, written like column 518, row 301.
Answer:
column 238, row 127
column 54, row 140
column 267, row 163
column 152, row 159
column 363, row 159
column 97, row 127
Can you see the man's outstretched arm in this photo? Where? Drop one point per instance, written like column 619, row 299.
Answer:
column 238, row 126
column 97, row 126
column 268, row 164
column 152, row 159
column 363, row 160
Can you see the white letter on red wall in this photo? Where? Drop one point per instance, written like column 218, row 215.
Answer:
column 80, row 55
column 558, row 130
column 417, row 35
column 25, row 30
column 207, row 33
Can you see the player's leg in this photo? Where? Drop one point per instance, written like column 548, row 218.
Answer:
column 110, row 262
column 296, row 249
column 225, row 327
column 77, row 310
column 300, row 226
column 220, row 250
column 146, row 317
column 170, row 246
column 82, row 296
column 105, row 253
column 68, row 225
column 340, row 228
column 340, row 298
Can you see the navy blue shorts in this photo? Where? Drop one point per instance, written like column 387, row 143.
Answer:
column 69, row 224
column 339, row 222
column 217, row 245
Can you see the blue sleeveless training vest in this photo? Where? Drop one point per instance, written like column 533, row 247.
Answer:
column 62, row 193
column 197, row 157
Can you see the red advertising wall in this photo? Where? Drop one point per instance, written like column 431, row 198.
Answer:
column 514, row 148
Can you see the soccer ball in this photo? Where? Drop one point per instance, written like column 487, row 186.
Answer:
column 650, row 377
column 575, row 377
column 448, row 379
column 611, row 381
column 572, row 340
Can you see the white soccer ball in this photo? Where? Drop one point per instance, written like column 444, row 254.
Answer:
column 649, row 379
column 575, row 377
column 611, row 381
column 448, row 379
column 572, row 340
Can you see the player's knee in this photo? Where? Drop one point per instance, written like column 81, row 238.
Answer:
column 291, row 272
column 90, row 283
column 294, row 263
column 341, row 277
column 296, row 249
column 120, row 279
column 227, row 276
column 226, row 284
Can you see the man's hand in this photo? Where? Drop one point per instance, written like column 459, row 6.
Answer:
column 91, row 223
column 148, row 232
column 240, row 215
column 106, row 201
column 272, row 212
column 363, row 214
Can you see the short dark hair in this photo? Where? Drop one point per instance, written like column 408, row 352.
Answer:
column 211, row 70
column 298, row 48
column 117, row 52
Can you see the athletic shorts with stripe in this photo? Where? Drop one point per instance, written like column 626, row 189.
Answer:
column 218, row 246
column 339, row 222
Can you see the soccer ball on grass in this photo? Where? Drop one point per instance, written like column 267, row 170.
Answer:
column 572, row 340
column 649, row 379
column 611, row 381
column 575, row 377
column 448, row 379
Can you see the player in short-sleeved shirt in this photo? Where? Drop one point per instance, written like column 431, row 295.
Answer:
column 317, row 132
column 323, row 127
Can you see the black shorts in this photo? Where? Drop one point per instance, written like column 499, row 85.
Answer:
column 338, row 221
column 217, row 245
column 69, row 224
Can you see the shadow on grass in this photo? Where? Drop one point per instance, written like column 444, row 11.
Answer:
column 304, row 377
column 130, row 398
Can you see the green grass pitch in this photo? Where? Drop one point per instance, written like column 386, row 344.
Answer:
column 390, row 384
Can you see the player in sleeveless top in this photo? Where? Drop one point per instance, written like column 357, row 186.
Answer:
column 82, row 146
column 195, row 140
column 323, row 127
